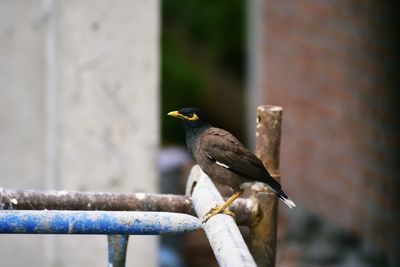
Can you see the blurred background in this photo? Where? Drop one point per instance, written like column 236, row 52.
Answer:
column 86, row 85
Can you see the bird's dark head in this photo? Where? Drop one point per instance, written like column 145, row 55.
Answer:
column 191, row 117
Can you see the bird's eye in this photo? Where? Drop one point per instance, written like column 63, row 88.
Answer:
column 192, row 116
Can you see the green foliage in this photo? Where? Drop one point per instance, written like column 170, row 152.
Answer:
column 200, row 39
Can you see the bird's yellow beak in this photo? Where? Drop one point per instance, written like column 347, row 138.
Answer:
column 179, row 115
column 175, row 114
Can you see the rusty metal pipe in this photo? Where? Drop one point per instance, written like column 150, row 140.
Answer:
column 11, row 199
column 268, row 138
column 72, row 200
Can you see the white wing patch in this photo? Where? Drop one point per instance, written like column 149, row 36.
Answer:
column 217, row 162
column 222, row 164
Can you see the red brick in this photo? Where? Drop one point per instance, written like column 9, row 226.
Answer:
column 333, row 66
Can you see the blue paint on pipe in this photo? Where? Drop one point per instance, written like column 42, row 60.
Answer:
column 96, row 222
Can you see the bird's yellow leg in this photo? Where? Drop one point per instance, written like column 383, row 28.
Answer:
column 222, row 208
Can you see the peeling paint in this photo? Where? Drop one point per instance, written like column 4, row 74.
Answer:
column 96, row 222
column 140, row 196
column 221, row 230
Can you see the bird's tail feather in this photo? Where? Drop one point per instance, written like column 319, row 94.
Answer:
column 286, row 200
column 278, row 191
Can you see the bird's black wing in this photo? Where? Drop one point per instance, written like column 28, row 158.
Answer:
column 225, row 149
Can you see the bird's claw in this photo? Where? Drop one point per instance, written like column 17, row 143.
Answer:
column 216, row 210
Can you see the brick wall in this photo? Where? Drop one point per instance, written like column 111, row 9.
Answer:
column 334, row 67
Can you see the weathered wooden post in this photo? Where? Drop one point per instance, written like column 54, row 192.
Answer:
column 268, row 136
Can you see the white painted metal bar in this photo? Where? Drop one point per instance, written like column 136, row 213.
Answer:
column 222, row 232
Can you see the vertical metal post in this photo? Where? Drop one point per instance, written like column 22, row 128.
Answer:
column 268, row 136
column 117, row 245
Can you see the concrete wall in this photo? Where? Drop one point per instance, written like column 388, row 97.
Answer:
column 78, row 111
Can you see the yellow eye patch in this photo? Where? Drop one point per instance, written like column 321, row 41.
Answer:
column 193, row 117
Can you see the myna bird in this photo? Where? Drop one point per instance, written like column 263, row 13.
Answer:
column 224, row 159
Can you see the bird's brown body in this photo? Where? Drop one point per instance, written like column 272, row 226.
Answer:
column 204, row 149
column 215, row 148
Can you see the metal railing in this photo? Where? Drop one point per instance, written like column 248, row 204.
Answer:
column 121, row 215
